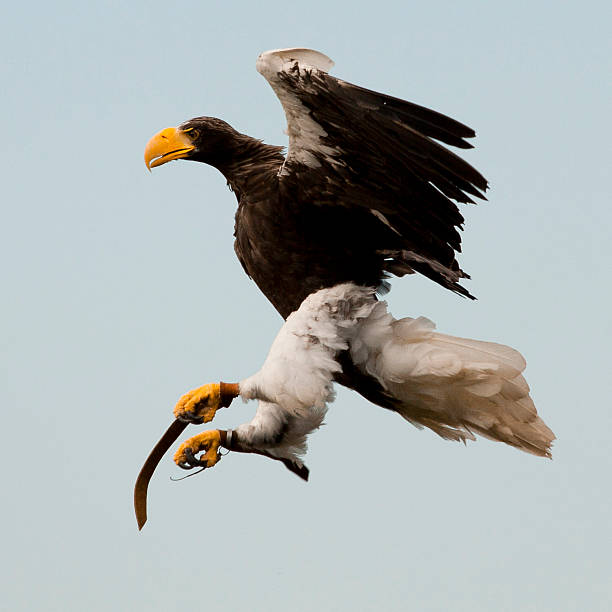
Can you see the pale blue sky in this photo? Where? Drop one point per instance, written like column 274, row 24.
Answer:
column 122, row 291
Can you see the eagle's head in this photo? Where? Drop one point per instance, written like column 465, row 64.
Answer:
column 204, row 139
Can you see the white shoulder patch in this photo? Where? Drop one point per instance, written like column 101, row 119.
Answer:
column 304, row 133
column 270, row 62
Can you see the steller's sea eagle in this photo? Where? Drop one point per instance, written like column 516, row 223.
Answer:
column 364, row 192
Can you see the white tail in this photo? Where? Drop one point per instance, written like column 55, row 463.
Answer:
column 454, row 386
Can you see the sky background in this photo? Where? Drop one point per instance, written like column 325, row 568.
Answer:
column 121, row 291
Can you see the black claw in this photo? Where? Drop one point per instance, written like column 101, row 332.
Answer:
column 188, row 453
column 191, row 461
column 193, row 418
column 190, row 417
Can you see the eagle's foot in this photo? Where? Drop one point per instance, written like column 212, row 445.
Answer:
column 200, row 405
column 208, row 441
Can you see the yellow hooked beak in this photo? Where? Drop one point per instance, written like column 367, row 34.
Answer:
column 167, row 145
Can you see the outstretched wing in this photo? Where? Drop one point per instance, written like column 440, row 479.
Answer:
column 353, row 147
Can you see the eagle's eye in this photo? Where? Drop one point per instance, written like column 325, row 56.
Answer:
column 193, row 133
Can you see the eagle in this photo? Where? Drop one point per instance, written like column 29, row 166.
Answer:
column 366, row 191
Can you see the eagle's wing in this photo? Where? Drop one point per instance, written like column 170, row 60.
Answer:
column 358, row 148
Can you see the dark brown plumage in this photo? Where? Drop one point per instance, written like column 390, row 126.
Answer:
column 314, row 228
column 371, row 195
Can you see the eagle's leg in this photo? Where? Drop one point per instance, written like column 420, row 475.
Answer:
column 210, row 441
column 200, row 405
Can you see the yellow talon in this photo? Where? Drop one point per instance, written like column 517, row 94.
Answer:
column 200, row 404
column 208, row 441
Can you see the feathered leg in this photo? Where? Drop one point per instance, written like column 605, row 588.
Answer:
column 272, row 433
column 293, row 388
